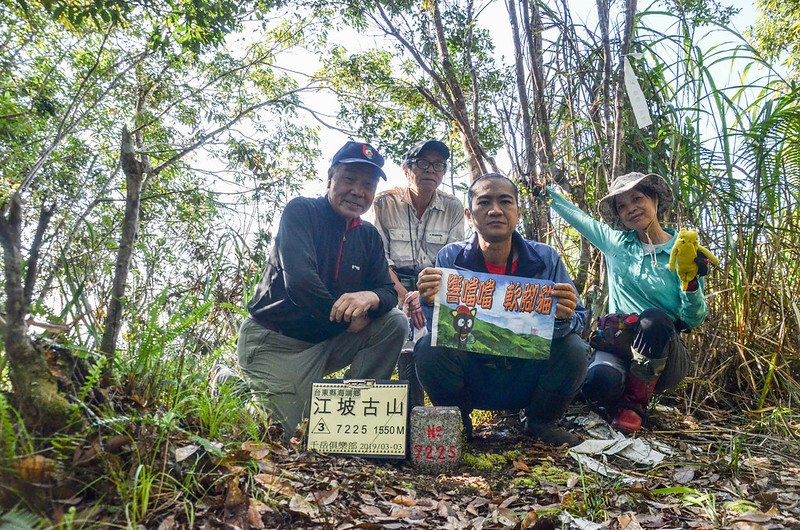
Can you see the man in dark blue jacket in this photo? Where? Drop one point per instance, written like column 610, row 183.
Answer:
column 326, row 299
column 543, row 388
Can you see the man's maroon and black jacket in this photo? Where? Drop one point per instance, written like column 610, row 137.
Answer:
column 318, row 256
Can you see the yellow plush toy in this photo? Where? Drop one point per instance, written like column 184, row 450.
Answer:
column 684, row 253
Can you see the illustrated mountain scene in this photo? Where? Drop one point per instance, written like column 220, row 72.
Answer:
column 499, row 315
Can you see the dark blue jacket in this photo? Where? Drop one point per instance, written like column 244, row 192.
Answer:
column 318, row 256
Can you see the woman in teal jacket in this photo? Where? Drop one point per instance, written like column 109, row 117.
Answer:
column 636, row 249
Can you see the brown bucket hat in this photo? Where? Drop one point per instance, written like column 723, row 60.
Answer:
column 627, row 182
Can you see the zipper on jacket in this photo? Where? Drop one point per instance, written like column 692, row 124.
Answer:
column 341, row 249
column 348, row 226
column 339, row 257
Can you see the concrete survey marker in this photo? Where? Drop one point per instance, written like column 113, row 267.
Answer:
column 435, row 445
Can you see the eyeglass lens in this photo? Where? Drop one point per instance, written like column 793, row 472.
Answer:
column 425, row 164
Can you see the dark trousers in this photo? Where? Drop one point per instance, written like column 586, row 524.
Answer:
column 472, row 381
column 661, row 355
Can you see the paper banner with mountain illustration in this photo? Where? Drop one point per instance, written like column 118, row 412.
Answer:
column 494, row 314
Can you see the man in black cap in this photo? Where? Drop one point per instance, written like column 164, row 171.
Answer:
column 415, row 222
column 326, row 299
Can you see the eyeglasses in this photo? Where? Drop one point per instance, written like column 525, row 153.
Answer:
column 425, row 164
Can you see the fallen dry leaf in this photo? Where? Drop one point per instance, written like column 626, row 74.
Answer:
column 683, row 475
column 400, row 513
column 529, row 520
column 254, row 519
column 520, row 465
column 324, row 498
column 234, row 496
column 168, row 523
column 746, row 525
column 405, row 500
column 373, row 511
column 476, row 503
column 182, row 453
column 477, row 523
column 509, row 501
column 753, row 517
column 628, row 521
column 299, row 504
column 36, row 468
column 445, row 509
column 275, row 483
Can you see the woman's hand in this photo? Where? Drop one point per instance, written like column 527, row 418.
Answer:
column 428, row 283
column 567, row 300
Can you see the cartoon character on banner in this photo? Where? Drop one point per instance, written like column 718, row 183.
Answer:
column 463, row 320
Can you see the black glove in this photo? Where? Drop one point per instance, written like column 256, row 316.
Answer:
column 540, row 192
column 702, row 264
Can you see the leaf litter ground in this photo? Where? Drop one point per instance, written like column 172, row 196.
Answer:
column 712, row 475
column 712, row 469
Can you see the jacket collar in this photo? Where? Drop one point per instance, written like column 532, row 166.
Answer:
column 529, row 264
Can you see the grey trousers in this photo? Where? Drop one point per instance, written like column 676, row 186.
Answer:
column 280, row 370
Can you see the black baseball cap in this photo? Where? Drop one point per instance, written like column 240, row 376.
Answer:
column 359, row 153
column 433, row 145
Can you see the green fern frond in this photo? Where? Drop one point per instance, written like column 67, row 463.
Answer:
column 7, row 434
column 17, row 519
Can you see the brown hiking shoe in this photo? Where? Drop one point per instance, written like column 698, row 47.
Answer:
column 551, row 434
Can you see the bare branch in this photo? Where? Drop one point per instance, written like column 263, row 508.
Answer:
column 75, row 121
column 45, row 215
column 219, row 130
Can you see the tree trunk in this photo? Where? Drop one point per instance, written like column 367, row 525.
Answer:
column 476, row 157
column 534, row 27
column 134, row 177
column 43, row 408
column 619, row 161
column 603, row 16
column 526, row 169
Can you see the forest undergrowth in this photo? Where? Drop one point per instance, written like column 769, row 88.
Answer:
column 156, row 449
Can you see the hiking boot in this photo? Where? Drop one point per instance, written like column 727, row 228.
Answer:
column 633, row 407
column 466, row 420
column 627, row 421
column 408, row 371
column 551, row 434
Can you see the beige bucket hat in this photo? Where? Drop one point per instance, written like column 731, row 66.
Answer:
column 627, row 182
